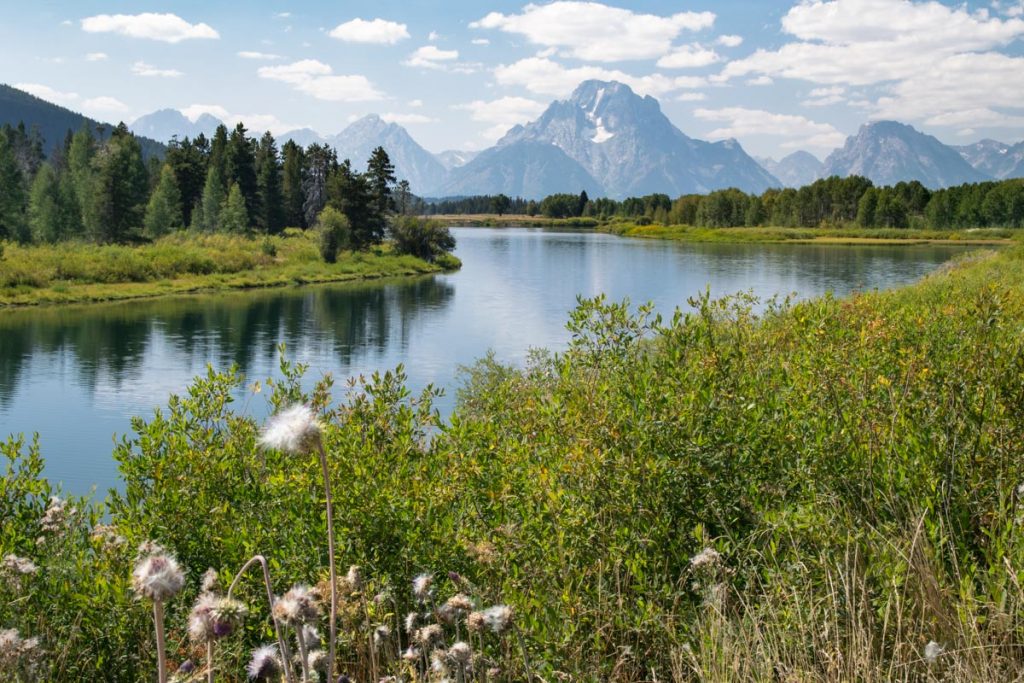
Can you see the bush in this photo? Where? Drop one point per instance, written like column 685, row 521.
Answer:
column 334, row 230
column 425, row 239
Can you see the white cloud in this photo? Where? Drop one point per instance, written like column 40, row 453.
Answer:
column 799, row 131
column 547, row 77
column 502, row 114
column 595, row 32
column 194, row 111
column 375, row 31
column 688, row 57
column 45, row 92
column 431, row 57
column 966, row 132
column 104, row 105
column 691, row 97
column 263, row 56
column 144, row 69
column 761, row 80
column 406, row 119
column 433, row 35
column 730, row 40
column 415, row 103
column 981, row 117
column 283, row 15
column 168, row 28
column 317, row 79
column 96, row 57
column 480, row 41
column 822, row 97
column 254, row 122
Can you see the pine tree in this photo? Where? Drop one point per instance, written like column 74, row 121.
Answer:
column 70, row 207
column 380, row 173
column 292, row 196
column 163, row 213
column 240, row 168
column 234, row 217
column 270, row 218
column 44, row 214
column 212, row 200
column 188, row 161
column 12, row 196
column 321, row 163
column 121, row 186
column 80, row 155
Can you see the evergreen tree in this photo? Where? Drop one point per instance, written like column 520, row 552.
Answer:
column 866, row 207
column 80, row 174
column 44, row 211
column 352, row 193
column 240, row 168
column 188, row 161
column 270, row 219
column 233, row 216
column 321, row 163
column 403, row 198
column 212, row 200
column 292, row 197
column 69, row 206
column 500, row 204
column 121, row 185
column 380, row 173
column 12, row 195
column 581, row 206
column 218, row 155
column 163, row 213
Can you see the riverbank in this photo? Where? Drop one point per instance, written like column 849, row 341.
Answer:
column 484, row 220
column 186, row 264
column 850, row 236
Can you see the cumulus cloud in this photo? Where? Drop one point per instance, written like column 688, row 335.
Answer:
column 822, row 97
column 480, row 41
column 730, row 40
column 254, row 122
column 374, row 31
column 406, row 119
column 148, row 70
column 100, row 106
column 168, row 28
column 798, row 131
column 691, row 97
column 592, row 31
column 501, row 114
column 544, row 76
column 318, row 80
column 96, row 57
column 262, row 56
column 104, row 105
column 431, row 57
column 45, row 92
column 688, row 57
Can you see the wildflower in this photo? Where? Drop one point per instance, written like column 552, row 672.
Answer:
column 265, row 664
column 297, row 606
column 709, row 557
column 411, row 654
column 17, row 653
column 56, row 515
column 14, row 568
column 421, row 586
column 483, row 552
column 209, row 580
column 428, row 635
column 354, row 578
column 381, row 635
column 318, row 661
column 158, row 577
column 476, row 622
column 186, row 667
column 214, row 617
column 460, row 653
column 460, row 601
column 932, row 651
column 107, row 536
column 410, row 622
column 310, row 636
column 497, row 618
column 439, row 661
column 294, row 430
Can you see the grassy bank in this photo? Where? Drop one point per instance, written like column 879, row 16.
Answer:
column 179, row 264
column 513, row 221
column 839, row 235
column 825, row 492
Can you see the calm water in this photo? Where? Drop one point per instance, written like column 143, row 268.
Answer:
column 76, row 375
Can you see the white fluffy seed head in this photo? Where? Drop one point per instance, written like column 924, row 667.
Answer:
column 410, row 622
column 158, row 577
column 498, row 618
column 460, row 653
column 265, row 664
column 421, row 586
column 709, row 557
column 297, row 606
column 209, row 582
column 15, row 566
column 294, row 430
column 932, row 651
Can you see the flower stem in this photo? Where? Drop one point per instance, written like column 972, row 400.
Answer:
column 303, row 653
column 209, row 661
column 281, row 643
column 161, row 654
column 332, row 626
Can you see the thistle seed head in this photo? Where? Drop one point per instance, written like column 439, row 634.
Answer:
column 421, row 587
column 158, row 577
column 294, row 430
column 265, row 664
column 298, row 606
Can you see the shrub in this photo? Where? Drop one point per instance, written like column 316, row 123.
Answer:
column 425, row 239
column 334, row 231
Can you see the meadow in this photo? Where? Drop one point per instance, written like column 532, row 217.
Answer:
column 828, row 491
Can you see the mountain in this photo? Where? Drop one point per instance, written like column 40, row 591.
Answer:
column 631, row 148
column 165, row 124
column 413, row 163
column 303, row 137
column 994, row 158
column 54, row 121
column 794, row 170
column 527, row 169
column 888, row 152
column 452, row 158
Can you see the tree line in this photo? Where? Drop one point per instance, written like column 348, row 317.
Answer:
column 104, row 191
column 829, row 201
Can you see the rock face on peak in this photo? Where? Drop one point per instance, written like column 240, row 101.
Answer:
column 453, row 158
column 888, row 152
column 995, row 158
column 795, row 170
column 165, row 124
column 631, row 148
column 413, row 163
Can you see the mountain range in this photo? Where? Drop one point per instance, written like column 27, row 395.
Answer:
column 604, row 139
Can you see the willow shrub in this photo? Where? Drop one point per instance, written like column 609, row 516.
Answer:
column 853, row 462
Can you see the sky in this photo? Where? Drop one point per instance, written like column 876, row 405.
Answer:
column 777, row 76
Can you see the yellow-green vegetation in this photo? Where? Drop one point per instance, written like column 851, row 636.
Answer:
column 184, row 263
column 827, row 491
column 831, row 235
column 493, row 220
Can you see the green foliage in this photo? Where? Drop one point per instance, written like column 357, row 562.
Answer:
column 270, row 217
column 212, row 203
column 163, row 213
column 291, row 185
column 12, row 195
column 422, row 238
column 233, row 215
column 119, row 189
column 334, row 233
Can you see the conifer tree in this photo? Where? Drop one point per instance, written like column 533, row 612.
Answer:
column 292, row 197
column 234, row 217
column 12, row 196
column 212, row 200
column 163, row 212
column 270, row 218
column 44, row 213
column 121, row 187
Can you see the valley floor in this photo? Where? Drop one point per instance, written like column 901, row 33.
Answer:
column 851, row 235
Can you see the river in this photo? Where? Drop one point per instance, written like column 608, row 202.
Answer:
column 77, row 374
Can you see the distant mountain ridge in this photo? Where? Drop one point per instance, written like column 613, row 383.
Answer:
column 995, row 158
column 794, row 170
column 54, row 121
column 888, row 152
column 165, row 124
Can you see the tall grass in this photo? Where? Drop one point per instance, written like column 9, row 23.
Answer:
column 827, row 491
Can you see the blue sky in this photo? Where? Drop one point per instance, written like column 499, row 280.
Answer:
column 778, row 76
